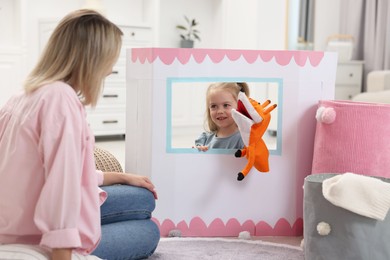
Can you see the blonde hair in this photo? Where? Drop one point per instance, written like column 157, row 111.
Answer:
column 80, row 52
column 233, row 87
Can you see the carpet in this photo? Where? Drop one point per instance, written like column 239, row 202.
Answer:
column 223, row 248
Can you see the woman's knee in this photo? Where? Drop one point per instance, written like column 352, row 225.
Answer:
column 136, row 239
column 127, row 191
column 127, row 203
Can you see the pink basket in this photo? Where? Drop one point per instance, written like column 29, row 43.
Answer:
column 352, row 137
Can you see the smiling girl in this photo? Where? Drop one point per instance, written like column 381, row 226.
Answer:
column 221, row 130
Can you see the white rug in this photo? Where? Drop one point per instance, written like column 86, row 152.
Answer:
column 224, row 249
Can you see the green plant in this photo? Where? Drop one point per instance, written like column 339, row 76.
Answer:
column 188, row 31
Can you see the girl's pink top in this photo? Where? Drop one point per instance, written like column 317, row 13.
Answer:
column 49, row 192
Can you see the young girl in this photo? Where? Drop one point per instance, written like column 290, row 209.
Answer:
column 49, row 194
column 221, row 131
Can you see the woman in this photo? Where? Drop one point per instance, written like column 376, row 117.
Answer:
column 49, row 194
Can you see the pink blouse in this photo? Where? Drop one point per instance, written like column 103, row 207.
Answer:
column 49, row 192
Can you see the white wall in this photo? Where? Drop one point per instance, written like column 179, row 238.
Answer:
column 35, row 11
column 231, row 24
column 245, row 24
column 120, row 11
column 272, row 24
column 327, row 13
column 206, row 12
column 241, row 24
column 19, row 27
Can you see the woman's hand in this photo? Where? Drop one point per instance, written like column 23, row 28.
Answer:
column 61, row 254
column 111, row 178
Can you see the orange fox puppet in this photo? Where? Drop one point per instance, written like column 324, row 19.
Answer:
column 252, row 119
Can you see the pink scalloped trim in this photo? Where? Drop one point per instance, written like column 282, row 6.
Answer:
column 198, row 228
column 168, row 55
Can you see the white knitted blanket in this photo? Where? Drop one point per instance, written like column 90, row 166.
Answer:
column 363, row 195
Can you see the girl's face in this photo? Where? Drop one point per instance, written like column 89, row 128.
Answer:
column 220, row 104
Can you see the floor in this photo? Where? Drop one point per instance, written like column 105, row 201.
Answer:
column 116, row 146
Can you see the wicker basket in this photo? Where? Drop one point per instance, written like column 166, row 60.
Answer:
column 105, row 161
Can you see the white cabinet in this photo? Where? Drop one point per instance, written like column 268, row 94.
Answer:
column 348, row 79
column 109, row 116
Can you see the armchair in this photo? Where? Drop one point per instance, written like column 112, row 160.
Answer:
column 378, row 88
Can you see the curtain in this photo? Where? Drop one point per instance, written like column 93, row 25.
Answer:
column 369, row 22
column 306, row 20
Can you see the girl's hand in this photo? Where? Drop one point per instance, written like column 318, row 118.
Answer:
column 111, row 178
column 202, row 148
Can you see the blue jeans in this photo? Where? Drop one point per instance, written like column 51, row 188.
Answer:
column 127, row 230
